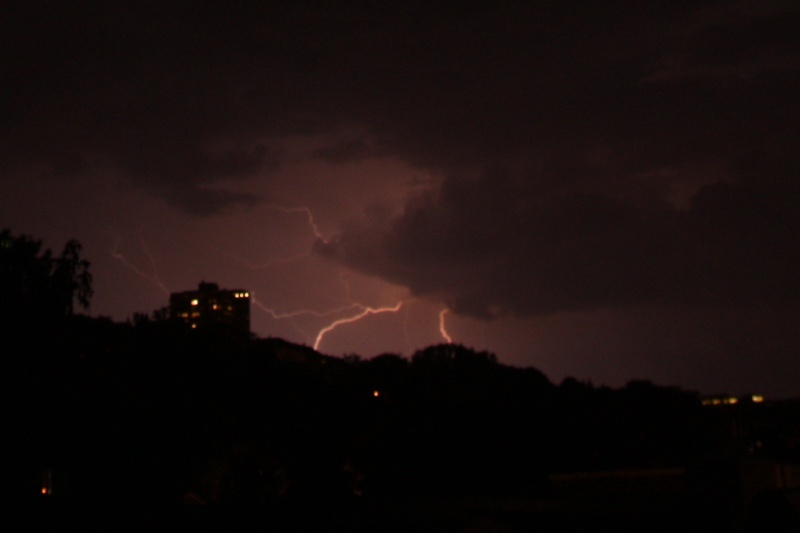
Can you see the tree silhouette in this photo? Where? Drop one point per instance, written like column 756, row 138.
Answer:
column 45, row 420
column 34, row 284
column 71, row 279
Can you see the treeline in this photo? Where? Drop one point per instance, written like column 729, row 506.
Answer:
column 151, row 411
column 159, row 412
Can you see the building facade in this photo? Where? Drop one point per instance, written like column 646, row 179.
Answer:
column 210, row 305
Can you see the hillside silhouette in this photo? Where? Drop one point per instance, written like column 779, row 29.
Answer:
column 150, row 414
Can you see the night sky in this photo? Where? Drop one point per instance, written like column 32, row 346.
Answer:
column 607, row 192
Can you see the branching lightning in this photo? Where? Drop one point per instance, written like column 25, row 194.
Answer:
column 363, row 310
column 280, row 260
column 151, row 277
column 366, row 311
column 310, row 216
column 146, row 250
column 307, row 312
column 353, row 309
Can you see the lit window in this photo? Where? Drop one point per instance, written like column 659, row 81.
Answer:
column 757, row 398
column 194, row 302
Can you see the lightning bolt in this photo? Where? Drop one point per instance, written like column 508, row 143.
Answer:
column 279, row 316
column 353, row 309
column 257, row 266
column 365, row 311
column 442, row 328
column 151, row 260
column 153, row 277
column 307, row 312
column 291, row 315
column 345, row 279
column 309, row 216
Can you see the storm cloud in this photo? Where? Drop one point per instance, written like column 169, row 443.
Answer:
column 491, row 247
column 616, row 180
column 185, row 97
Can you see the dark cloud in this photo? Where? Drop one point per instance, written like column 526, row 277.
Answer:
column 622, row 155
column 204, row 201
column 345, row 152
column 223, row 70
column 591, row 99
column 170, row 96
column 740, row 40
column 493, row 247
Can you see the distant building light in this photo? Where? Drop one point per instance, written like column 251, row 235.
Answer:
column 47, row 483
column 210, row 304
column 757, row 398
column 729, row 400
column 376, row 393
